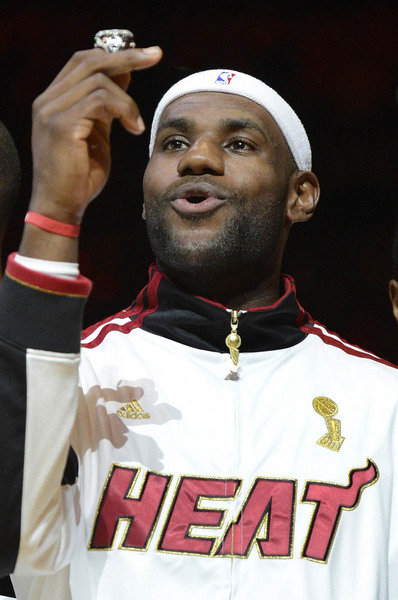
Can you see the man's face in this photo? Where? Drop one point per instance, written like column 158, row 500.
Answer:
column 216, row 185
column 393, row 289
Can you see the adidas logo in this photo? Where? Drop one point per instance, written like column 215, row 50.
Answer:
column 133, row 410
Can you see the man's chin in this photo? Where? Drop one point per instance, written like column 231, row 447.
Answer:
column 187, row 258
column 193, row 250
column 190, row 251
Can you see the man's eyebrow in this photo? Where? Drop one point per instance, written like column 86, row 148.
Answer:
column 186, row 125
column 182, row 124
column 236, row 124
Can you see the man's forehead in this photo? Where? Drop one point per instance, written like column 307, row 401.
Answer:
column 217, row 106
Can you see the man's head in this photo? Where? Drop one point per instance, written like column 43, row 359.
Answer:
column 229, row 173
column 10, row 176
column 241, row 84
column 393, row 285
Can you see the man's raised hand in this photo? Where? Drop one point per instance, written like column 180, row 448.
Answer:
column 71, row 128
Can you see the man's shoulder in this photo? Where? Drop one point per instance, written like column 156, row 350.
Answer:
column 95, row 334
column 344, row 350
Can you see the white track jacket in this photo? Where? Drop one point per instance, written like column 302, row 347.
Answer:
column 186, row 477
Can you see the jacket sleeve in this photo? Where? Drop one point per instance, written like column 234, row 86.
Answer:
column 40, row 325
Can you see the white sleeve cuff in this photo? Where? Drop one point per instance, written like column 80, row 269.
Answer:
column 65, row 270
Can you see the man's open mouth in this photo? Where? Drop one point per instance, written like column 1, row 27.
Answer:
column 196, row 199
column 191, row 199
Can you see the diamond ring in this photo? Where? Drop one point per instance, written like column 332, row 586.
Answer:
column 114, row 40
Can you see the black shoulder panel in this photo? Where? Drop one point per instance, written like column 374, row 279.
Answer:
column 12, row 447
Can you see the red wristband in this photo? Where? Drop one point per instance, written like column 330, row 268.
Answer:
column 52, row 225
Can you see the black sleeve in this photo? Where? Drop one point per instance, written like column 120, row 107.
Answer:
column 45, row 321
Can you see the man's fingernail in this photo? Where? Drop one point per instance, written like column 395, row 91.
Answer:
column 151, row 50
column 140, row 124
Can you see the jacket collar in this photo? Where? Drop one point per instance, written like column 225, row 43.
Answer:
column 165, row 310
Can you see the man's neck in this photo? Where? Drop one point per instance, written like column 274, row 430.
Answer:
column 241, row 289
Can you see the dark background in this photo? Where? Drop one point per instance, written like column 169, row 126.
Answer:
column 335, row 62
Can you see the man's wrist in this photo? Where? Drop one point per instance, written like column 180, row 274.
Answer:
column 66, row 270
column 52, row 225
column 45, row 245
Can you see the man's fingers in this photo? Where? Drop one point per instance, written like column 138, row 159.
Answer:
column 99, row 89
column 123, row 81
column 95, row 83
column 97, row 74
column 86, row 62
column 76, row 119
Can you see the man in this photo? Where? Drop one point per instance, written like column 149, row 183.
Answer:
column 393, row 284
column 10, row 176
column 227, row 445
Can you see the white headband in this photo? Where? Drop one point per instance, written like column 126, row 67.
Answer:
column 233, row 82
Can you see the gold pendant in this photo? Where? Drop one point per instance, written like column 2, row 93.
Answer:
column 233, row 340
column 327, row 408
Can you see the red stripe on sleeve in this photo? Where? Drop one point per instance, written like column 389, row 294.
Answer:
column 47, row 283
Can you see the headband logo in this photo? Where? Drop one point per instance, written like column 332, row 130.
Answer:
column 225, row 77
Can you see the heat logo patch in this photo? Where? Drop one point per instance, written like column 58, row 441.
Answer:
column 128, row 514
column 225, row 77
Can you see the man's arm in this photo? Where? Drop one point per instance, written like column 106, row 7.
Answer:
column 40, row 315
column 70, row 141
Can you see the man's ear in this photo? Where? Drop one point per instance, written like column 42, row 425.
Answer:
column 393, row 289
column 143, row 211
column 303, row 197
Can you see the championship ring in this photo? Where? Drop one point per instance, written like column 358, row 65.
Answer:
column 114, row 40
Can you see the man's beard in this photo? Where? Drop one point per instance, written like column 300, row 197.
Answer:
column 244, row 241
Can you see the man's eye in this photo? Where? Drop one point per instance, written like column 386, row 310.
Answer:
column 173, row 144
column 240, row 145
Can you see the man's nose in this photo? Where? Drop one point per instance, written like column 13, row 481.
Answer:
column 204, row 156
